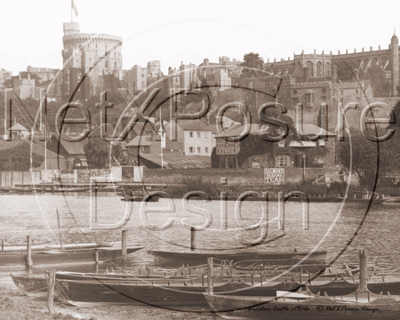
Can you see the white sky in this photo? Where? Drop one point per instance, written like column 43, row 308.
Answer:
column 189, row 31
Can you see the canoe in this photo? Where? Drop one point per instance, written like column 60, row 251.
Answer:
column 358, row 305
column 392, row 200
column 170, row 293
column 237, row 277
column 362, row 201
column 173, row 258
column 20, row 190
column 17, row 259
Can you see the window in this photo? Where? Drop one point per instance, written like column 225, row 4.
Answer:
column 141, row 149
column 191, row 149
column 341, row 92
column 191, row 134
column 206, row 149
column 142, row 75
column 282, row 161
column 309, row 99
column 198, row 134
column 198, row 150
column 115, row 54
column 356, row 91
column 294, row 91
column 255, row 162
column 323, row 90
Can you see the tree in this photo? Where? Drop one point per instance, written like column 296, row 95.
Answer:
column 19, row 159
column 251, row 60
column 97, row 153
column 369, row 158
column 380, row 84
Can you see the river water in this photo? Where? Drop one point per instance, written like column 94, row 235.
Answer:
column 340, row 228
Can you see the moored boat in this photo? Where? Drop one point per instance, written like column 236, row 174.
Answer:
column 358, row 305
column 173, row 258
column 17, row 259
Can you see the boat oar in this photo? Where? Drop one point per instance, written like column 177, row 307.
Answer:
column 59, row 227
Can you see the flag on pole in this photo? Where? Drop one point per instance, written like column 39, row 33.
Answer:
column 73, row 6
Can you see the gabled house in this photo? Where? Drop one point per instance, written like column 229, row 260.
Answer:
column 69, row 150
column 196, row 136
column 18, row 131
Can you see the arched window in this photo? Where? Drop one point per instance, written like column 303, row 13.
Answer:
column 327, row 69
column 310, row 66
column 320, row 69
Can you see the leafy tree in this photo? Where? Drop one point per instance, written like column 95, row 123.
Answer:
column 97, row 152
column 251, row 60
column 368, row 158
column 380, row 84
column 19, row 159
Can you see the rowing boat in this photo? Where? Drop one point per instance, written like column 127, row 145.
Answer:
column 17, row 259
column 288, row 305
column 173, row 258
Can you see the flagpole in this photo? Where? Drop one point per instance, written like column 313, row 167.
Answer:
column 161, row 144
column 45, row 132
column 71, row 11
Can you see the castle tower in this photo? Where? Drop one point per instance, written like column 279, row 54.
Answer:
column 394, row 56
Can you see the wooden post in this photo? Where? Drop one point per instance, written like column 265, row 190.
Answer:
column 95, row 201
column 51, row 280
column 29, row 263
column 59, row 227
column 210, row 274
column 363, row 270
column 123, row 247
column 192, row 241
column 96, row 260
column 2, row 244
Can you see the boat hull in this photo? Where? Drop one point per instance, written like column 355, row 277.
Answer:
column 17, row 259
column 197, row 258
column 244, row 307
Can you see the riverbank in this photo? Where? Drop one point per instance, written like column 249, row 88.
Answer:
column 15, row 306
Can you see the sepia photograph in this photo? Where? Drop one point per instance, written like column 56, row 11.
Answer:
column 199, row 160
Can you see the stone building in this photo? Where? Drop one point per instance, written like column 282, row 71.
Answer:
column 45, row 74
column 196, row 136
column 224, row 73
column 188, row 76
column 136, row 79
column 95, row 55
column 4, row 75
column 24, row 87
column 321, row 65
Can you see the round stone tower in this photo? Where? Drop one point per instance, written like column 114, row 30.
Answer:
column 394, row 57
column 89, row 53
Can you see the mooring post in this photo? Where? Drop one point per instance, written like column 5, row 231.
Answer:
column 363, row 270
column 124, row 251
column 192, row 240
column 96, row 260
column 51, row 280
column 95, row 201
column 210, row 274
column 59, row 227
column 29, row 263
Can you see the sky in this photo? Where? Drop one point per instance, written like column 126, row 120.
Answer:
column 190, row 31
